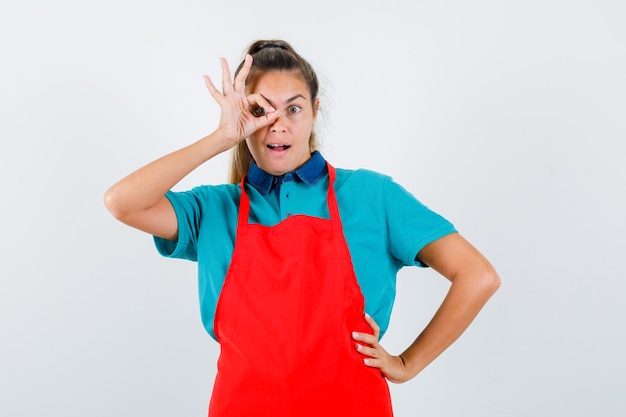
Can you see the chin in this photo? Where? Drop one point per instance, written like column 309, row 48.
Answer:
column 278, row 171
column 280, row 166
column 277, row 168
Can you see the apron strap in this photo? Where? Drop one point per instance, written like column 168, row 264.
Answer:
column 244, row 206
column 331, row 200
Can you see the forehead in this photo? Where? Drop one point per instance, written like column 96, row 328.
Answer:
column 278, row 84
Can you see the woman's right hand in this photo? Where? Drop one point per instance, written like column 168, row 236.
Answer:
column 139, row 198
column 237, row 120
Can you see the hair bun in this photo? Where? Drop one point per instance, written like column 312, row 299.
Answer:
column 259, row 47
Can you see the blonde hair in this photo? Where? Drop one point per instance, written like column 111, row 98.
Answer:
column 271, row 55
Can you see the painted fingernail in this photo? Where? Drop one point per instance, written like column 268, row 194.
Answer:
column 367, row 315
column 355, row 335
column 366, row 361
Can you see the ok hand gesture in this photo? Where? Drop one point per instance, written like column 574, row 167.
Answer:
column 242, row 114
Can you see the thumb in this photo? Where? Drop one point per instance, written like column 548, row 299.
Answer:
column 267, row 119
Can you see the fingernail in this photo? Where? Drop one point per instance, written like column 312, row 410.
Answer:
column 355, row 335
column 367, row 315
column 366, row 361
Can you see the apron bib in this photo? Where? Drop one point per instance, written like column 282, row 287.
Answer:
column 284, row 320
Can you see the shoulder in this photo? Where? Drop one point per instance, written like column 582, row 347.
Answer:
column 374, row 189
column 203, row 195
column 359, row 174
column 370, row 184
column 361, row 179
column 220, row 191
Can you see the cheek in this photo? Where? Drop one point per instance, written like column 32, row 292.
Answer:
column 252, row 145
column 301, row 117
column 302, row 121
column 257, row 136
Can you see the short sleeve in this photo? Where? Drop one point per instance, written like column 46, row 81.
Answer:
column 188, row 208
column 410, row 224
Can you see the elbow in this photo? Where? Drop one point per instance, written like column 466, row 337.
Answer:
column 113, row 202
column 490, row 281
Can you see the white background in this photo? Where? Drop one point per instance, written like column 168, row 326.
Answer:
column 507, row 117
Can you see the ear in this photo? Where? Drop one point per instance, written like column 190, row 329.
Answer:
column 316, row 107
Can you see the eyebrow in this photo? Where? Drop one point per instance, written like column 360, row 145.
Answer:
column 289, row 100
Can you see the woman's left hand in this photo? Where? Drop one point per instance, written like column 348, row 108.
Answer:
column 392, row 367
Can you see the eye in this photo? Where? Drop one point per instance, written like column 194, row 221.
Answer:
column 294, row 109
column 259, row 111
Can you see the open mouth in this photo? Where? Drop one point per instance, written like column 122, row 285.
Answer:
column 277, row 147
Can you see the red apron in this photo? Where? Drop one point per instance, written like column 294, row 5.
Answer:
column 284, row 320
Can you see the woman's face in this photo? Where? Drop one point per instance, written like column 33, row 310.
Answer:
column 284, row 145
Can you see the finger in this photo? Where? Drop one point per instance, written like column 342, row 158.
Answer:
column 373, row 325
column 227, row 84
column 211, row 87
column 266, row 120
column 257, row 100
column 367, row 351
column 366, row 338
column 373, row 363
column 240, row 79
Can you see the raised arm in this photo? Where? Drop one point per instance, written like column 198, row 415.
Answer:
column 473, row 282
column 139, row 199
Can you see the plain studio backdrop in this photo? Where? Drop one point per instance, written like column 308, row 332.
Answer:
column 507, row 117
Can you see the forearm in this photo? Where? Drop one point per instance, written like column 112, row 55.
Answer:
column 146, row 187
column 467, row 295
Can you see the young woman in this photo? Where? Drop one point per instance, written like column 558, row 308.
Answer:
column 296, row 259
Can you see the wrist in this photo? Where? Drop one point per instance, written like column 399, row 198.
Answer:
column 216, row 142
column 222, row 139
column 412, row 363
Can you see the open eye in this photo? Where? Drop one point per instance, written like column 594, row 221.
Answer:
column 294, row 109
column 259, row 111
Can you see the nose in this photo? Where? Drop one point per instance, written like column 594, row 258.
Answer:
column 278, row 126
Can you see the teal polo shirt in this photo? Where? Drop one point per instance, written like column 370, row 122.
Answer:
column 385, row 227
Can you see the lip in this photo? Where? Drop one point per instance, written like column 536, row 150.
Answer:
column 277, row 148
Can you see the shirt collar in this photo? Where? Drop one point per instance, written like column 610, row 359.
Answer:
column 310, row 173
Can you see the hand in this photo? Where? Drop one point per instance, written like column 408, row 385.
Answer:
column 237, row 121
column 392, row 367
